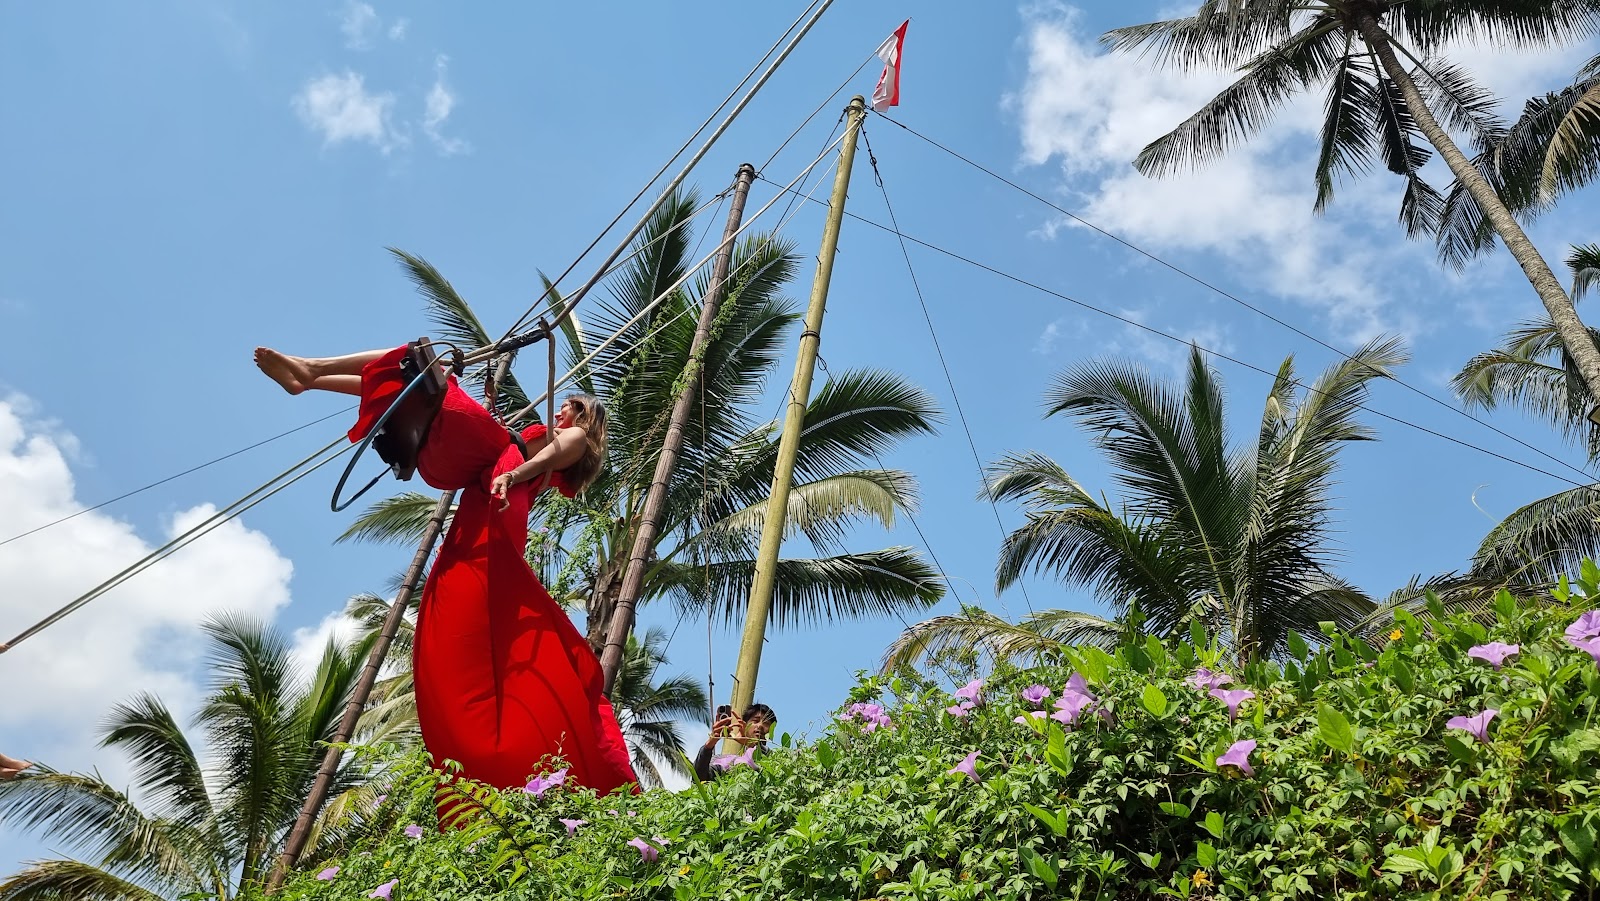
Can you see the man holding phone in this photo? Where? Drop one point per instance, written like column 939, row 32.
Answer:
column 750, row 731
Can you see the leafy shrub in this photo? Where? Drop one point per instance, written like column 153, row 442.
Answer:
column 1359, row 786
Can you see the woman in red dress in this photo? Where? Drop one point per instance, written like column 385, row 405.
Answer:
column 503, row 678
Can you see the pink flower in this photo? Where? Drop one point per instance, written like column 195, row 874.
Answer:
column 967, row 767
column 1233, row 698
column 1030, row 718
column 1585, row 626
column 1076, row 685
column 872, row 715
column 648, row 852
column 1075, row 698
column 383, row 891
column 1238, row 754
column 572, row 825
column 541, row 784
column 972, row 691
column 1591, row 646
column 1204, row 680
column 1477, row 726
column 727, row 762
column 328, row 874
column 1035, row 694
column 957, row 710
column 413, row 831
column 1494, row 653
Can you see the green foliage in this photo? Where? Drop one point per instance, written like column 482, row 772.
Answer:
column 1359, row 789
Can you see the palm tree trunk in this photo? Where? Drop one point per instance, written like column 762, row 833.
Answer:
column 1573, row 333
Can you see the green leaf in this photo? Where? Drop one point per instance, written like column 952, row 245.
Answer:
column 825, row 753
column 1057, row 823
column 1154, row 701
column 1214, row 824
column 1298, row 649
column 1173, row 808
column 1335, row 729
column 1505, row 605
column 1402, row 676
column 1039, row 867
column 1197, row 637
column 1579, row 839
column 1056, row 753
column 1459, row 749
column 1206, row 854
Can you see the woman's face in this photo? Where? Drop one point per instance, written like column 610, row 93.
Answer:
column 568, row 413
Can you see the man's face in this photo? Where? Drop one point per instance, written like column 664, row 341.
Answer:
column 757, row 727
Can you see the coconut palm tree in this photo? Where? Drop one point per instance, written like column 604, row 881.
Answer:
column 1532, row 370
column 648, row 711
column 1386, row 91
column 704, row 558
column 1235, row 538
column 199, row 831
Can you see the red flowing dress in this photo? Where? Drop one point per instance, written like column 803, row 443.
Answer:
column 503, row 677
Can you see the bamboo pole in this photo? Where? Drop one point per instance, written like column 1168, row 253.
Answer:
column 656, row 500
column 358, row 698
column 755, row 623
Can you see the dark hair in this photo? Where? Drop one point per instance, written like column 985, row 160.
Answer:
column 763, row 710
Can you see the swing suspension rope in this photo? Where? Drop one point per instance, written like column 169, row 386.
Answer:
column 544, row 330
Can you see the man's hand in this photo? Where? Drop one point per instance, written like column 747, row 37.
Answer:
column 722, row 727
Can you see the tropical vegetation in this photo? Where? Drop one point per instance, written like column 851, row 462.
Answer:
column 1389, row 91
column 1450, row 757
column 1234, row 538
column 206, row 818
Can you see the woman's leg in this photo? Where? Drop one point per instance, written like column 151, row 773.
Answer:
column 297, row 374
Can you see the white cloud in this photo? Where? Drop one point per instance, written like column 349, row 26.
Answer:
column 1090, row 112
column 142, row 636
column 440, row 102
column 309, row 642
column 359, row 23
column 340, row 109
column 397, row 31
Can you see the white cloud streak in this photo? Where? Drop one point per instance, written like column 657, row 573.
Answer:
column 340, row 109
column 440, row 102
column 143, row 636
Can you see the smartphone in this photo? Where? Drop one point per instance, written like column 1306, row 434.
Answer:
column 725, row 710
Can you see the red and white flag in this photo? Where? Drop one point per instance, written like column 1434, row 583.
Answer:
column 887, row 93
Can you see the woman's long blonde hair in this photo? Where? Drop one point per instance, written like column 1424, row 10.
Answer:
column 591, row 417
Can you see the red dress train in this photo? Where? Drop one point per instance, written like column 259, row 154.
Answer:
column 503, row 677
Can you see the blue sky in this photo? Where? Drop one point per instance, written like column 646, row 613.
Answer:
column 188, row 179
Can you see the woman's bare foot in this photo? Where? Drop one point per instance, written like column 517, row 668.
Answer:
column 293, row 373
column 11, row 766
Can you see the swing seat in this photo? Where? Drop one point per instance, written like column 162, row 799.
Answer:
column 406, row 429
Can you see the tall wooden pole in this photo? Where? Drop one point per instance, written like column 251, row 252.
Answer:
column 358, row 698
column 755, row 623
column 655, row 501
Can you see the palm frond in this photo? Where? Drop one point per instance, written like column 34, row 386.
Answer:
column 394, row 520
column 812, row 591
column 70, row 880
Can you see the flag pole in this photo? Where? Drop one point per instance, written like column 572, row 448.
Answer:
column 761, row 589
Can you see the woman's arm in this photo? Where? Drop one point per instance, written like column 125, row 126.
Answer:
column 567, row 449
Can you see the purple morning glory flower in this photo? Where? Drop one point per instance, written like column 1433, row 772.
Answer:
column 1035, row 694
column 1204, row 679
column 1233, row 698
column 328, row 874
column 1029, row 718
column 647, row 852
column 1591, row 646
column 956, row 710
column 1494, row 653
column 1238, row 754
column 872, row 715
column 967, row 767
column 413, row 831
column 1105, row 714
column 972, row 691
column 572, row 825
column 541, row 784
column 383, row 891
column 1585, row 626
column 1477, row 726
column 1075, row 698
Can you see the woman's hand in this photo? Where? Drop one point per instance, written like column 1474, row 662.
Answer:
column 501, row 487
